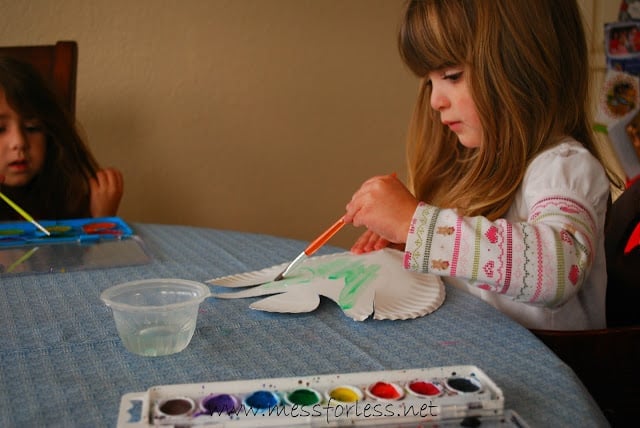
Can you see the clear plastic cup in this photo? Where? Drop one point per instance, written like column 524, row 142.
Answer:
column 155, row 316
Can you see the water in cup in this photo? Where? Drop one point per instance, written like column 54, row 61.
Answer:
column 156, row 341
column 157, row 316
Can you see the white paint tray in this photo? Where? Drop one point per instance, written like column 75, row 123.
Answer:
column 439, row 396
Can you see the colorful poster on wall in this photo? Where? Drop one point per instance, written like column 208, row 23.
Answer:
column 619, row 116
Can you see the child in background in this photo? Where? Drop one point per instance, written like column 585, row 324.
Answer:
column 45, row 167
column 508, row 192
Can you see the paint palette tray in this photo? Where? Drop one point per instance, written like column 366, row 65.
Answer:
column 440, row 396
column 83, row 230
column 77, row 244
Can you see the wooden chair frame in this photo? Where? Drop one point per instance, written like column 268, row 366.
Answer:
column 58, row 63
column 606, row 360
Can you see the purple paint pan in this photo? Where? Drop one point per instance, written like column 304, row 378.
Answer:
column 218, row 404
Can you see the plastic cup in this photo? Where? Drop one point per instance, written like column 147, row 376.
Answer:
column 155, row 316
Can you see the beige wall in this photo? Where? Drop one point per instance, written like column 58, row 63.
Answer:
column 254, row 115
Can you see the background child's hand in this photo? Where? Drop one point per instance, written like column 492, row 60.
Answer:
column 106, row 191
column 385, row 207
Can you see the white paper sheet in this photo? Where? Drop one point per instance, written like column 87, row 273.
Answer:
column 360, row 284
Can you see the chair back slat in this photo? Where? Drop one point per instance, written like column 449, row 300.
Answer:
column 58, row 64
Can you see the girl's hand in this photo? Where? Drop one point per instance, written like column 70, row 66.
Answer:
column 106, row 191
column 385, row 207
column 370, row 241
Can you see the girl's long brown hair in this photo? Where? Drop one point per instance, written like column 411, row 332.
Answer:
column 527, row 66
column 61, row 189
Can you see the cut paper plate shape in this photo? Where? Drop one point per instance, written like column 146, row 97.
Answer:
column 373, row 283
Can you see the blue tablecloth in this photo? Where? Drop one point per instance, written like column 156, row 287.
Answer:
column 63, row 364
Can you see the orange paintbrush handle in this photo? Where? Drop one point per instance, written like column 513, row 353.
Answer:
column 322, row 239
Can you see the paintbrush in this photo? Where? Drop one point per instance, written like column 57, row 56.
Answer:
column 312, row 248
column 23, row 213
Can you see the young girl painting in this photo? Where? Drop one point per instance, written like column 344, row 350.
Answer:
column 45, row 167
column 507, row 191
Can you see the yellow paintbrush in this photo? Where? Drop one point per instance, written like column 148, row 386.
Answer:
column 24, row 214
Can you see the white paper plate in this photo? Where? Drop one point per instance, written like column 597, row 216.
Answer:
column 360, row 284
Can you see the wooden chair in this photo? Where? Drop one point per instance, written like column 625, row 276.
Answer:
column 58, row 64
column 606, row 360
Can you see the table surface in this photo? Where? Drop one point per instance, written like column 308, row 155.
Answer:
column 63, row 364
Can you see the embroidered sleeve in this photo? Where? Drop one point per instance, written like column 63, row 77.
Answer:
column 542, row 261
column 544, row 254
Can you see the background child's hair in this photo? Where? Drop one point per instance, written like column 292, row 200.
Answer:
column 527, row 67
column 61, row 189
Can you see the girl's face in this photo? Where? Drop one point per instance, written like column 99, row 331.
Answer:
column 451, row 97
column 22, row 146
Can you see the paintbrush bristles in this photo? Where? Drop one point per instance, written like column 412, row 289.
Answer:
column 313, row 247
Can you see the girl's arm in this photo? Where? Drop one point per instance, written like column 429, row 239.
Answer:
column 544, row 249
column 543, row 258
column 542, row 261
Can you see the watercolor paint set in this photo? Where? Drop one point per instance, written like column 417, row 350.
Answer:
column 77, row 244
column 439, row 396
column 82, row 230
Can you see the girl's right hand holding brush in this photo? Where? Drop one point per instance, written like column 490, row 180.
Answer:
column 385, row 207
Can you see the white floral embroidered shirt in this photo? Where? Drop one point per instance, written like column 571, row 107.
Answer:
column 544, row 263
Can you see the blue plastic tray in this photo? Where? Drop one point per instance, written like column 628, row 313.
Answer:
column 83, row 230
